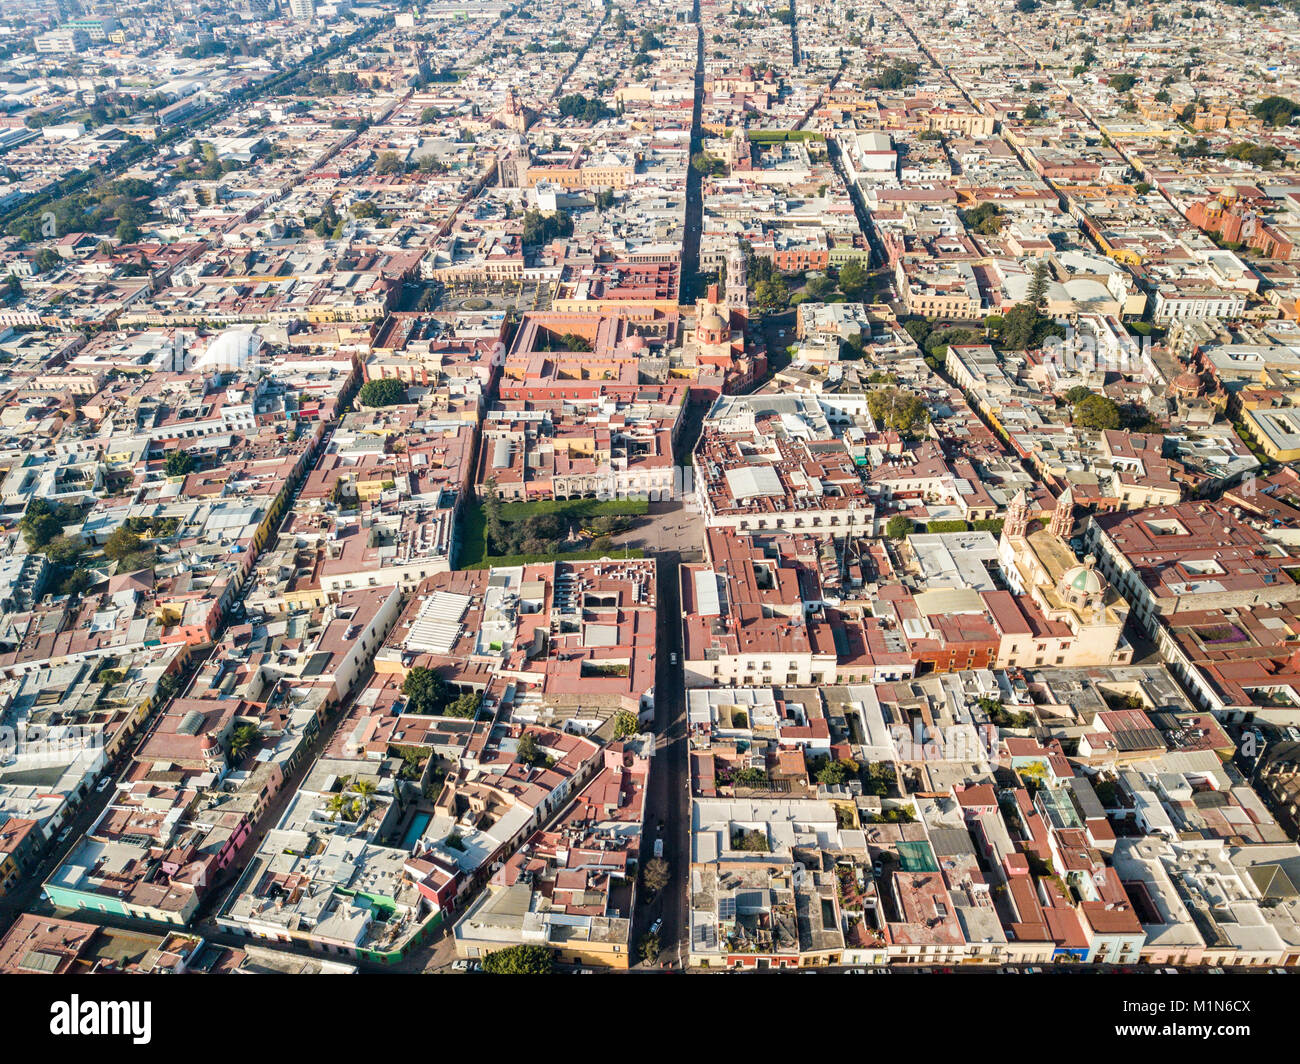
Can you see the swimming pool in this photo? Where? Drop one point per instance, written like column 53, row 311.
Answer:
column 418, row 823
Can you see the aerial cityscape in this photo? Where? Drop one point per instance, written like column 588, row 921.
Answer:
column 675, row 486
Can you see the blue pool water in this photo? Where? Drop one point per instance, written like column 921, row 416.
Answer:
column 413, row 833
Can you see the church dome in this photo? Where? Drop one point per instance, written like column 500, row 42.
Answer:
column 712, row 323
column 1083, row 579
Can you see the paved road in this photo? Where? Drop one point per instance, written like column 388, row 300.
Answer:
column 678, row 531
column 668, row 803
column 694, row 195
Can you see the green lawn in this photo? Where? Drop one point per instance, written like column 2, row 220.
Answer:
column 772, row 136
column 472, row 551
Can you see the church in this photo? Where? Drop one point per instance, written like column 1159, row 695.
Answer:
column 1080, row 617
column 719, row 337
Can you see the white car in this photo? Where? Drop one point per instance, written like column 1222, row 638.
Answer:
column 672, row 658
column 105, row 784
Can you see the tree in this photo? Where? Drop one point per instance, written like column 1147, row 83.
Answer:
column 388, row 163
column 899, row 527
column 77, row 582
column 179, row 463
column 625, row 724
column 520, row 960
column 122, row 544
column 242, row 738
column 167, row 687
column 707, row 164
column 771, row 294
column 65, row 550
column 648, row 948
column 40, row 524
column 1096, row 412
column 657, row 874
column 492, row 513
column 1261, row 155
column 897, row 75
column 853, row 348
column 465, row 706
column 425, row 690
column 853, row 281
column 1024, row 327
column 819, row 289
column 834, row 773
column 1276, row 110
column 338, row 805
column 572, row 342
column 539, row 228
column 1077, row 394
column 383, row 391
column 528, row 750
column 880, row 777
column 985, row 218
column 895, row 410
column 1037, row 291
column 751, row 841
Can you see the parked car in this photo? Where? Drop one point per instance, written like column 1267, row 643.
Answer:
column 104, row 784
column 654, row 928
column 672, row 658
column 62, row 837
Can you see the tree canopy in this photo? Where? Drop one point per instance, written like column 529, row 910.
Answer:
column 895, row 410
column 542, row 228
column 383, row 391
column 179, row 463
column 520, row 960
column 853, row 280
column 899, row 527
column 1096, row 412
column 1276, row 110
column 426, row 691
